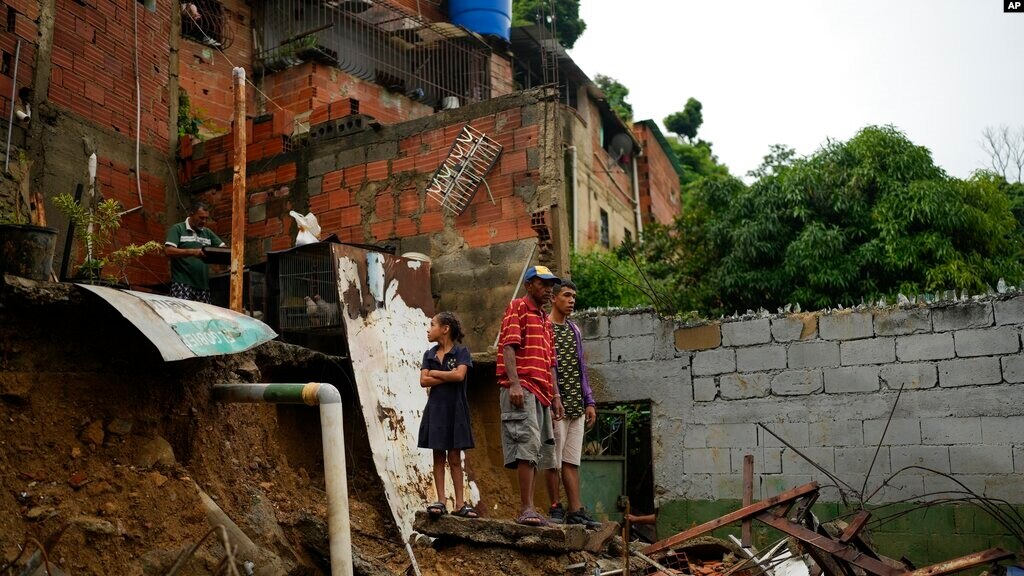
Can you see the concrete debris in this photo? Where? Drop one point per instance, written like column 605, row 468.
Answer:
column 486, row 531
column 120, row 427
column 93, row 433
column 94, row 525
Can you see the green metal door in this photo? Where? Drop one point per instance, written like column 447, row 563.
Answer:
column 603, row 465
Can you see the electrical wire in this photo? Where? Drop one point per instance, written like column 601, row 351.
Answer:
column 138, row 111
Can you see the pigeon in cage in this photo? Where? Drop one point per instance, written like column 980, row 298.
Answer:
column 309, row 228
column 328, row 311
column 312, row 311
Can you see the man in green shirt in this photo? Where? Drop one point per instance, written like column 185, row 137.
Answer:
column 190, row 276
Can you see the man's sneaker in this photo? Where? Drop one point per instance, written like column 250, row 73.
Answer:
column 582, row 518
column 556, row 514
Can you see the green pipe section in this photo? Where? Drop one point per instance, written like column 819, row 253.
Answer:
column 288, row 393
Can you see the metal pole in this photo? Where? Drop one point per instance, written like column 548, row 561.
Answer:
column 238, row 213
column 14, row 94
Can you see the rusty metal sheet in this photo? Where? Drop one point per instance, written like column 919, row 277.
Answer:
column 182, row 329
column 387, row 309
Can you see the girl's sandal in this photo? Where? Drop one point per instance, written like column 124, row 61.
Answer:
column 437, row 509
column 466, row 511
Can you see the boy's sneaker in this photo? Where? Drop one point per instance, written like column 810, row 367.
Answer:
column 556, row 514
column 582, row 518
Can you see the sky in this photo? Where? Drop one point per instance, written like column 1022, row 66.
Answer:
column 798, row 72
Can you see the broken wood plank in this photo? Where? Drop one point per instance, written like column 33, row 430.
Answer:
column 748, row 498
column 554, row 539
column 745, row 512
column 596, row 541
column 854, row 526
column 841, row 551
column 963, row 563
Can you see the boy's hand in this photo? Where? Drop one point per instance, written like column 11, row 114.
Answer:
column 590, row 417
column 557, row 410
column 515, row 395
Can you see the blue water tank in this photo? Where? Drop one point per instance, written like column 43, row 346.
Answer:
column 492, row 17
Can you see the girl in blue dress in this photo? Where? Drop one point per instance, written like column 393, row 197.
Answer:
column 445, row 427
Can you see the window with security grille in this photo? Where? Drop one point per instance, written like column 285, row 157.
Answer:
column 206, row 22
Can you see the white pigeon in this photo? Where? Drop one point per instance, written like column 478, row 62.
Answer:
column 328, row 310
column 309, row 228
column 312, row 311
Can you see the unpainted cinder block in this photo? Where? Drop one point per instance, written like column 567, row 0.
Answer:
column 760, row 358
column 987, row 342
column 901, row 322
column 813, row 354
column 739, row 386
column 981, row 459
column 951, row 430
column 795, row 327
column 797, row 382
column 868, row 351
column 924, row 347
column 969, row 372
column 909, row 376
column 962, row 316
column 851, row 379
column 846, row 326
column 746, row 333
column 711, row 362
column 696, row 338
column 1009, row 311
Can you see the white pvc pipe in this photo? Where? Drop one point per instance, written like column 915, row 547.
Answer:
column 332, row 432
column 636, row 203
column 575, row 203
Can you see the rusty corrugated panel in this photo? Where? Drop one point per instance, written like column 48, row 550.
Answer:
column 182, row 329
column 388, row 306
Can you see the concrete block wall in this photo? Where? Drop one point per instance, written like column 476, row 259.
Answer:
column 825, row 383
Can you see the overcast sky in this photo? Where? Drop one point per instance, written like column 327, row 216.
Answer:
column 796, row 72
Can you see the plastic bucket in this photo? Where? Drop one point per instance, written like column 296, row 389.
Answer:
column 27, row 251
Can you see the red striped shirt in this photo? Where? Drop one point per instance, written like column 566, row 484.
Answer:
column 526, row 328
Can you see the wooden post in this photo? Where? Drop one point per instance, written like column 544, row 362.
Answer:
column 238, row 213
column 748, row 498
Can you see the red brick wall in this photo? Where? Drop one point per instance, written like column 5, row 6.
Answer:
column 310, row 85
column 27, row 12
column 501, row 76
column 205, row 72
column 659, row 182
column 115, row 179
column 398, row 206
column 93, row 65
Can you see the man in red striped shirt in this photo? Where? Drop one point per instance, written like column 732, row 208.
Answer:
column 526, row 362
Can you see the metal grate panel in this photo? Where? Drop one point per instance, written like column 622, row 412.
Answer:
column 308, row 297
column 472, row 156
column 378, row 42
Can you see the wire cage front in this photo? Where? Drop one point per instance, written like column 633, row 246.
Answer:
column 308, row 291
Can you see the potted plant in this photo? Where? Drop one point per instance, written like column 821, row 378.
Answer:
column 26, row 248
column 94, row 231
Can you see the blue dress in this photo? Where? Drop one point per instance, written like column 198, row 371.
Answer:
column 445, row 424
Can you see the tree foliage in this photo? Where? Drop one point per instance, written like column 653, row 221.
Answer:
column 860, row 219
column 616, row 93
column 687, row 121
column 568, row 24
column 606, row 280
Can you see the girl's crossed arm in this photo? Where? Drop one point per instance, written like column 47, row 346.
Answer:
column 441, row 376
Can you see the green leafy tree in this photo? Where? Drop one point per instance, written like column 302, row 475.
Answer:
column 568, row 24
column 606, row 280
column 687, row 121
column 616, row 95
column 860, row 219
column 698, row 161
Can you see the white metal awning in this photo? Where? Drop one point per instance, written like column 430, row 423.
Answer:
column 183, row 329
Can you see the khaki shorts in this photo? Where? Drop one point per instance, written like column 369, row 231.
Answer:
column 526, row 432
column 569, row 440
